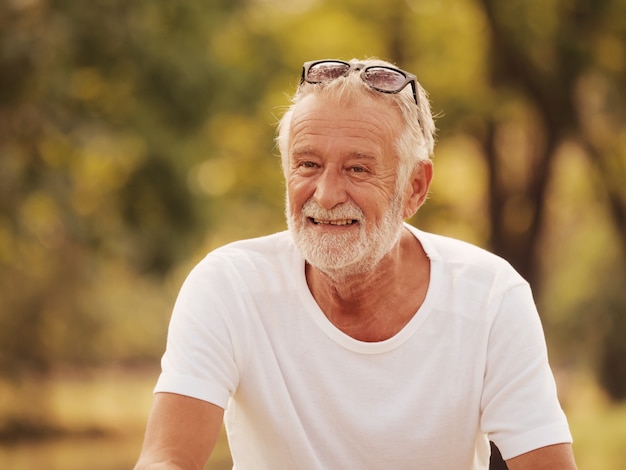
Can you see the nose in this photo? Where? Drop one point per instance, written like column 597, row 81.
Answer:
column 330, row 189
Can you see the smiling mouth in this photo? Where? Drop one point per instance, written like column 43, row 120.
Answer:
column 332, row 222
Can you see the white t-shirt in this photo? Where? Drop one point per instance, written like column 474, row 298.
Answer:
column 246, row 334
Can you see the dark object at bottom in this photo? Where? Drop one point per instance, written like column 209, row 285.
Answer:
column 496, row 462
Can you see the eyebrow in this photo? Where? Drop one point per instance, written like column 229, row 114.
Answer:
column 363, row 156
column 302, row 151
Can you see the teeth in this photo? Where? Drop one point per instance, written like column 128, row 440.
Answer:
column 334, row 222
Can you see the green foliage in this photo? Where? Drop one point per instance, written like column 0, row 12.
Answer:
column 101, row 115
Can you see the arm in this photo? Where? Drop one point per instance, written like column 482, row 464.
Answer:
column 555, row 457
column 181, row 433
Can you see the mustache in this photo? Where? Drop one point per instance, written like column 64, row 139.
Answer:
column 347, row 210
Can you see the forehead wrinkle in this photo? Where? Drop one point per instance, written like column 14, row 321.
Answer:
column 377, row 129
column 307, row 144
column 304, row 136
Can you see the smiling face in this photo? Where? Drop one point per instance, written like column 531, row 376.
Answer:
column 343, row 207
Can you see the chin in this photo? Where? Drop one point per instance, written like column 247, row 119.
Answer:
column 342, row 273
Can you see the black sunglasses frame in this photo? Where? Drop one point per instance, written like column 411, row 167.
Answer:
column 408, row 77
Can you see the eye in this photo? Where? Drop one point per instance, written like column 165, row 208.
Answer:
column 306, row 167
column 357, row 169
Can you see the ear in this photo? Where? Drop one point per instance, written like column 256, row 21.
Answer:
column 417, row 190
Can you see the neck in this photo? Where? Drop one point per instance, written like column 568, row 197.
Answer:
column 374, row 305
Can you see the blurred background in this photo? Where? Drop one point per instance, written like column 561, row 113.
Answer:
column 136, row 136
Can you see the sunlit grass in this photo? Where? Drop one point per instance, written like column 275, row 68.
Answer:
column 598, row 427
column 104, row 415
column 94, row 420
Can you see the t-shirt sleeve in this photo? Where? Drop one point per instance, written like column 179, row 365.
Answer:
column 200, row 357
column 520, row 407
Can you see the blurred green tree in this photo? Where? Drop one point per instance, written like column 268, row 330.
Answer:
column 565, row 62
column 102, row 111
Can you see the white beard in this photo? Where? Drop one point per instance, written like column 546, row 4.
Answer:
column 345, row 254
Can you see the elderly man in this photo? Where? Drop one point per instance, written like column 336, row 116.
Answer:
column 355, row 340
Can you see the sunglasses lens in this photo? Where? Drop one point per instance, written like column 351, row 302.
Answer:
column 384, row 79
column 325, row 71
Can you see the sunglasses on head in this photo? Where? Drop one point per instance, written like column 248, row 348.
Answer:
column 381, row 78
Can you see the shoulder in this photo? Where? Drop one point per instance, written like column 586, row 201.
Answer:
column 250, row 262
column 231, row 278
column 462, row 259
column 266, row 249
